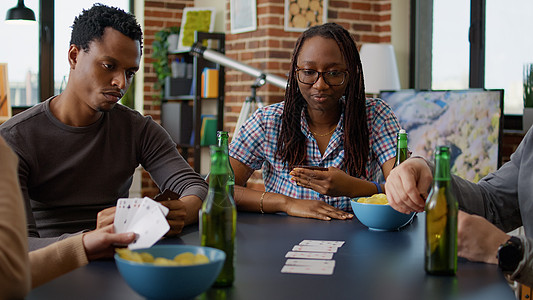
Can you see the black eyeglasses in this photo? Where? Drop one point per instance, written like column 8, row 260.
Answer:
column 310, row 76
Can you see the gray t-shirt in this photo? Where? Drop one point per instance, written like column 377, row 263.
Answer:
column 68, row 174
column 505, row 198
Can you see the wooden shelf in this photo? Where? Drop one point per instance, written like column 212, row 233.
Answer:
column 199, row 63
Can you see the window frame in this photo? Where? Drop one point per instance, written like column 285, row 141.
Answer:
column 46, row 47
column 421, row 43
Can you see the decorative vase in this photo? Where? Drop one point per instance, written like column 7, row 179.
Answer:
column 173, row 42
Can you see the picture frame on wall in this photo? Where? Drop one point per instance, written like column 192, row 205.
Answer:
column 469, row 121
column 243, row 14
column 5, row 103
column 194, row 19
column 300, row 15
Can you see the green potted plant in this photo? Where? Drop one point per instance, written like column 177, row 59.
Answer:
column 527, row 118
column 160, row 56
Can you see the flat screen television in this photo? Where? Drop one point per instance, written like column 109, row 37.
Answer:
column 469, row 121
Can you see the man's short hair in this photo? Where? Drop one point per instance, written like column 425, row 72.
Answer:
column 91, row 24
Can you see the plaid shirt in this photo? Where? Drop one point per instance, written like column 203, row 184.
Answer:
column 256, row 144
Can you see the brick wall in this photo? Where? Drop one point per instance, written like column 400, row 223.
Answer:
column 268, row 48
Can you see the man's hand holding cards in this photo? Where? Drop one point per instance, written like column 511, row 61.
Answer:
column 143, row 216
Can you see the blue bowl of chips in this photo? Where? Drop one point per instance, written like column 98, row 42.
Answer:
column 199, row 267
column 380, row 216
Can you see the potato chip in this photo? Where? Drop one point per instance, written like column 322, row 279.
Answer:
column 375, row 199
column 200, row 259
column 185, row 258
column 161, row 261
column 182, row 259
column 129, row 255
column 146, row 257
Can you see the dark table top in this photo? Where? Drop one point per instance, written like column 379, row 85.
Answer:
column 370, row 265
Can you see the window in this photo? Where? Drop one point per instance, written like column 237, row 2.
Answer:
column 451, row 48
column 22, row 55
column 492, row 56
column 65, row 11
column 20, row 50
column 508, row 46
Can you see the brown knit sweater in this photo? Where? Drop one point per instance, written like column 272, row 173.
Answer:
column 16, row 275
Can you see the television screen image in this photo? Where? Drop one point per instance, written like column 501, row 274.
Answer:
column 469, row 121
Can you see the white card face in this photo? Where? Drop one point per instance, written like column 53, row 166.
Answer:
column 126, row 209
column 310, row 255
column 149, row 228
column 317, row 248
column 120, row 215
column 316, row 270
column 163, row 208
column 143, row 216
column 321, row 243
column 309, row 262
column 147, row 206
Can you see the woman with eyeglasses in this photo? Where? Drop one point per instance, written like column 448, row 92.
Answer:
column 325, row 121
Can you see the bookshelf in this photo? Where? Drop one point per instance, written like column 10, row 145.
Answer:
column 181, row 115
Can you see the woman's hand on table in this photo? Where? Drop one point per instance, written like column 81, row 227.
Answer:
column 315, row 209
column 478, row 239
column 332, row 182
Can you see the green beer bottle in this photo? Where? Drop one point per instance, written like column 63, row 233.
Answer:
column 441, row 219
column 401, row 148
column 218, row 217
column 223, row 141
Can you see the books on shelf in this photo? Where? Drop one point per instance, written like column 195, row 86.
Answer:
column 208, row 131
column 209, row 83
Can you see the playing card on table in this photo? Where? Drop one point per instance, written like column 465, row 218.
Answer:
column 321, row 243
column 309, row 262
column 317, row 248
column 310, row 255
column 316, row 269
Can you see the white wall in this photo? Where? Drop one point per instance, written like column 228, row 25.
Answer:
column 220, row 16
column 400, row 27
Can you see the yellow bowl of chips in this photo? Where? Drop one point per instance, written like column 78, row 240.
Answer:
column 170, row 271
column 376, row 214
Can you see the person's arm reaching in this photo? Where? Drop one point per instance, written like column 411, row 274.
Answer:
column 66, row 255
column 408, row 184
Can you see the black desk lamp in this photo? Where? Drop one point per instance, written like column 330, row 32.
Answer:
column 20, row 12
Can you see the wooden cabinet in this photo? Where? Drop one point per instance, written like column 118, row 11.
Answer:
column 181, row 115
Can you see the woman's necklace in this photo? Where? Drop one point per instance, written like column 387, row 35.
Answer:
column 325, row 134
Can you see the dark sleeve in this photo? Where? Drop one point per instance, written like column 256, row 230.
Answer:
column 495, row 197
column 160, row 157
